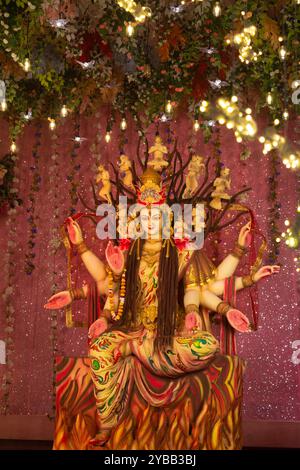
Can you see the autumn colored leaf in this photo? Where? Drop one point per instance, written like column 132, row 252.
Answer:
column 271, row 31
column 164, row 52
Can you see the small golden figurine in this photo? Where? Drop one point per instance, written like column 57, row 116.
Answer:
column 158, row 149
column 222, row 184
column 104, row 178
column 195, row 169
column 125, row 168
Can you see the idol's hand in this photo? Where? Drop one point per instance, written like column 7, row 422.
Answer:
column 74, row 231
column 245, row 235
column 192, row 322
column 238, row 320
column 115, row 258
column 265, row 271
column 59, row 300
column 97, row 328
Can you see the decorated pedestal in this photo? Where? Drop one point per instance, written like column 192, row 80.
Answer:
column 204, row 413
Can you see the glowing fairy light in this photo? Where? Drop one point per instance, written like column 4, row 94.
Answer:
column 217, row 10
column 282, row 53
column 52, row 124
column 123, row 124
column 107, row 137
column 276, row 122
column 3, row 105
column 169, row 107
column 13, row 147
column 27, row 65
column 129, row 29
column 203, row 106
column 64, row 111
column 285, row 115
column 196, row 125
column 243, row 41
column 269, row 98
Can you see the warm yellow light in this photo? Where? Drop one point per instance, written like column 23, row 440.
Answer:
column 217, row 9
column 123, row 124
column 3, row 105
column 276, row 122
column 107, row 137
column 286, row 222
column 285, row 115
column 282, row 53
column 13, row 147
column 27, row 65
column 234, row 99
column 269, row 98
column 262, row 139
column 169, row 107
column 130, row 29
column 52, row 124
column 221, row 121
column 196, row 125
column 64, row 111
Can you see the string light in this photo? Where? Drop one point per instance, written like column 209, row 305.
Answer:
column 169, row 107
column 276, row 122
column 64, row 111
column 129, row 29
column 217, row 10
column 269, row 98
column 196, row 125
column 285, row 115
column 27, row 65
column 107, row 137
column 203, row 106
column 243, row 124
column 282, row 53
column 52, row 123
column 3, row 105
column 13, row 147
column 243, row 41
column 139, row 12
column 123, row 124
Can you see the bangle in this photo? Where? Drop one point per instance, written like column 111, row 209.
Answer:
column 223, row 308
column 192, row 308
column 77, row 293
column 248, row 281
column 239, row 251
column 81, row 248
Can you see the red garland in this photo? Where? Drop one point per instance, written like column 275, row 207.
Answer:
column 90, row 40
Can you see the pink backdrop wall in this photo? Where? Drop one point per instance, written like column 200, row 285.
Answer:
column 271, row 379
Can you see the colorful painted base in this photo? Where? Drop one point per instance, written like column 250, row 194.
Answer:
column 206, row 417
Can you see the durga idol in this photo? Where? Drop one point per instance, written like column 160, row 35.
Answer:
column 159, row 294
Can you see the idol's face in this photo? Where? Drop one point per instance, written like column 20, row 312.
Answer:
column 151, row 222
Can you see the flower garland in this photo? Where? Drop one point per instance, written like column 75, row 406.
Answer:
column 75, row 167
column 9, row 292
column 54, row 244
column 275, row 205
column 31, row 210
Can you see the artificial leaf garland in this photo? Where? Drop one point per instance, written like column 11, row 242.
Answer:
column 275, row 205
column 35, row 187
column 8, row 295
